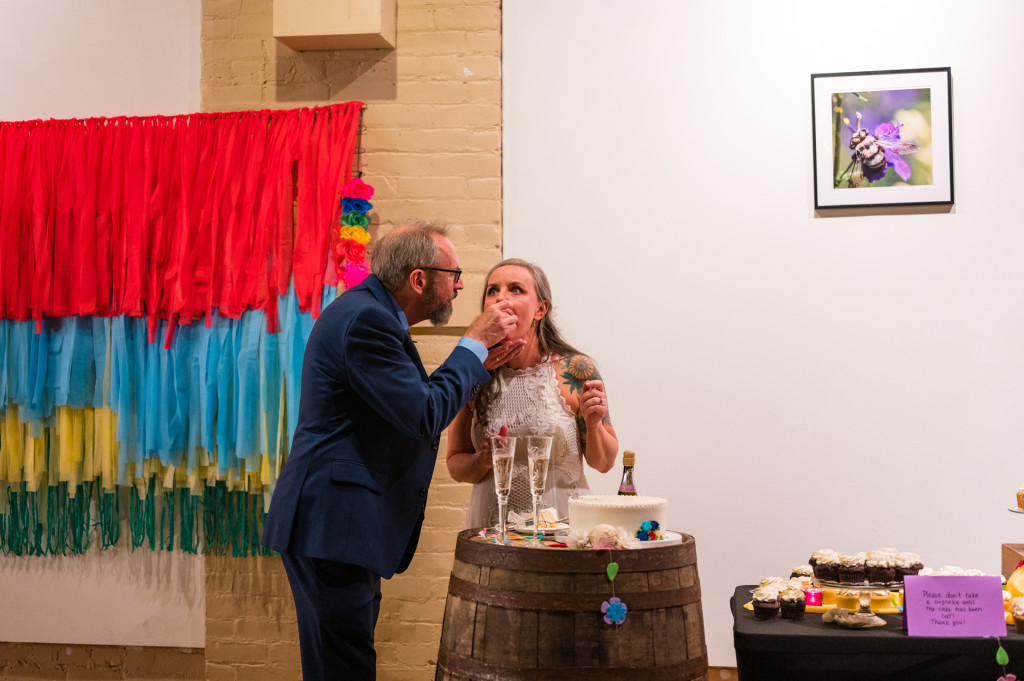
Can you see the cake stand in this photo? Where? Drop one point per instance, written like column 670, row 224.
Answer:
column 865, row 589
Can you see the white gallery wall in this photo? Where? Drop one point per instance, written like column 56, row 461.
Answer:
column 65, row 59
column 790, row 380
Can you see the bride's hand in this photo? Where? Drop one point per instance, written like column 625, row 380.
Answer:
column 504, row 351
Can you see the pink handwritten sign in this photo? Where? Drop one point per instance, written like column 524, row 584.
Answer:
column 954, row 606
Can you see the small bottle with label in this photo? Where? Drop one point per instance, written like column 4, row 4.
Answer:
column 626, row 487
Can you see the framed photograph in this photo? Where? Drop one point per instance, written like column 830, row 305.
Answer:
column 882, row 138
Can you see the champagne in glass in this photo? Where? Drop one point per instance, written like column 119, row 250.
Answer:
column 538, row 456
column 503, row 450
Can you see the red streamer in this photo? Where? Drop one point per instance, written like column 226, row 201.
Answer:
column 170, row 217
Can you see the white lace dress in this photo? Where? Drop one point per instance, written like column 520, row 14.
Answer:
column 530, row 403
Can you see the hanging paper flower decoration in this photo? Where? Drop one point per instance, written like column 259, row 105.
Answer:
column 614, row 611
column 649, row 531
column 353, row 236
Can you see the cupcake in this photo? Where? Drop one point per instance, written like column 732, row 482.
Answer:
column 1020, row 498
column 802, row 571
column 804, row 581
column 880, row 600
column 848, row 599
column 826, row 565
column 1017, row 610
column 793, row 604
column 907, row 564
column 766, row 603
column 880, row 567
column 775, row 582
column 790, row 584
column 851, row 568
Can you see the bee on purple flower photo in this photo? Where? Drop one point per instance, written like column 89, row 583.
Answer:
column 874, row 153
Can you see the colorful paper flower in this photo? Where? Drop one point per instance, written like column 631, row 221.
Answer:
column 353, row 274
column 352, row 236
column 354, row 218
column 351, row 250
column 614, row 611
column 349, row 204
column 357, row 189
column 649, row 531
column 356, row 234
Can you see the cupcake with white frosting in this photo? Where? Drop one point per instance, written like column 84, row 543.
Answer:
column 907, row 564
column 793, row 604
column 804, row 570
column 880, row 567
column 826, row 565
column 766, row 603
column 1017, row 611
column 851, row 568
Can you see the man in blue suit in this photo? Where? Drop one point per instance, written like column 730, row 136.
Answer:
column 348, row 505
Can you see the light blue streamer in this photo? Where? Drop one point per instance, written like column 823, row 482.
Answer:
column 218, row 388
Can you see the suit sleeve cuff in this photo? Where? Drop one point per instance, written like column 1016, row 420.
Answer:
column 474, row 346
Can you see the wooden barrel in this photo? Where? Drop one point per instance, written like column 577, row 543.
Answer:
column 526, row 614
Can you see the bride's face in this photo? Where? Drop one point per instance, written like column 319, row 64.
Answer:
column 515, row 284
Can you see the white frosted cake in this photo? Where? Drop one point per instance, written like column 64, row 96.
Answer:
column 626, row 512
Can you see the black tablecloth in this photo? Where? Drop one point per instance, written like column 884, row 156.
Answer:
column 794, row 650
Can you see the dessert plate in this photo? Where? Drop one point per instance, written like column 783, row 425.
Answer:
column 545, row 529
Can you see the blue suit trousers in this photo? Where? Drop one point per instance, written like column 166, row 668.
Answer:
column 337, row 606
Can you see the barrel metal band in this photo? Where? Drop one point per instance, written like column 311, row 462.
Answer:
column 466, row 668
column 567, row 602
column 560, row 560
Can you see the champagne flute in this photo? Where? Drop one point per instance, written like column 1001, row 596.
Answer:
column 503, row 449
column 538, row 456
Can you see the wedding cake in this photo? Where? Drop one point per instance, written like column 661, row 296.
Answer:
column 627, row 512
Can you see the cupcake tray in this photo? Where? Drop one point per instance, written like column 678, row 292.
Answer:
column 749, row 605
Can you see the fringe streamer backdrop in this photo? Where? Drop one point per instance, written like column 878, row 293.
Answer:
column 159, row 277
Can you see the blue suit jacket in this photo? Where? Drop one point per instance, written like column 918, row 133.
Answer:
column 355, row 484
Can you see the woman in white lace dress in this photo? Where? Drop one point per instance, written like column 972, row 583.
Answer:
column 540, row 385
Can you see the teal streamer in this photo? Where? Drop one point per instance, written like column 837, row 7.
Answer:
column 110, row 518
column 167, row 519
column 150, row 514
column 214, row 513
column 36, row 546
column 80, row 518
column 57, row 519
column 135, row 519
column 189, row 536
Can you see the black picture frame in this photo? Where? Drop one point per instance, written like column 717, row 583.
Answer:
column 891, row 162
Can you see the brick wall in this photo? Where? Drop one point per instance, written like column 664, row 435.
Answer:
column 432, row 147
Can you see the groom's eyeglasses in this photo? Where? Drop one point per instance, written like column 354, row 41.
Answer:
column 456, row 272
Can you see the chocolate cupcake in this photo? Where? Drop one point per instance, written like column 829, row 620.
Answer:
column 802, row 571
column 879, row 567
column 907, row 564
column 793, row 604
column 766, row 603
column 851, row 568
column 804, row 581
column 1017, row 612
column 826, row 565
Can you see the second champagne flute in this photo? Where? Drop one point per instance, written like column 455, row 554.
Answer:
column 503, row 449
column 538, row 456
